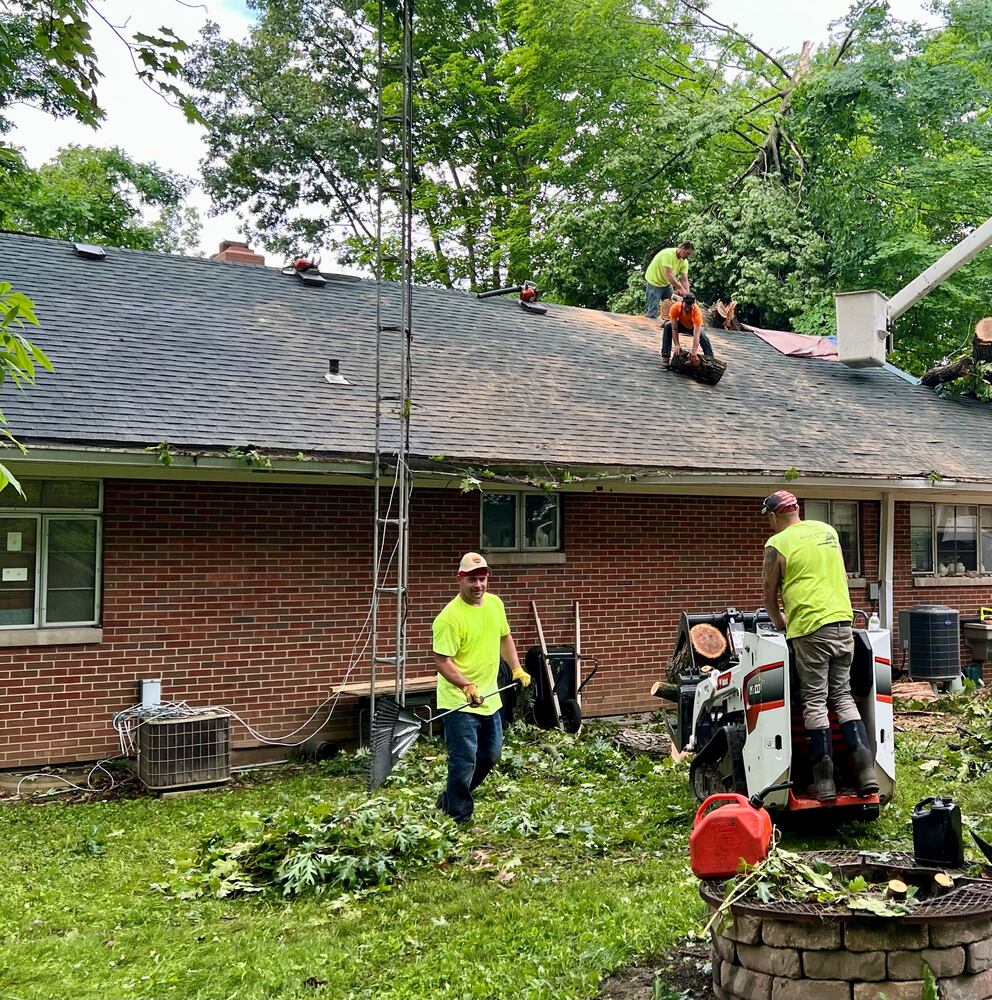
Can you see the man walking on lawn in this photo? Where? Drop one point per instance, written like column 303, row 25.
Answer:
column 803, row 559
column 471, row 634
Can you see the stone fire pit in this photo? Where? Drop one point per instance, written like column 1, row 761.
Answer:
column 791, row 950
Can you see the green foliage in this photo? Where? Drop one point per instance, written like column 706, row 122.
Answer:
column 251, row 455
column 510, row 915
column 19, row 359
column 47, row 60
column 358, row 844
column 791, row 475
column 102, row 196
column 163, row 452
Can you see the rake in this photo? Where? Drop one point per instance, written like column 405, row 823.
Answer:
column 395, row 729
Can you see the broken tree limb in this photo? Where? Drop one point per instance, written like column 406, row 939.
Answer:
column 722, row 315
column 701, row 368
column 947, row 372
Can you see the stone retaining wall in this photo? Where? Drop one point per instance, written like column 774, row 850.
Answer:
column 775, row 959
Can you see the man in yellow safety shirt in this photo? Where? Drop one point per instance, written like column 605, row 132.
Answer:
column 470, row 635
column 667, row 275
column 804, row 562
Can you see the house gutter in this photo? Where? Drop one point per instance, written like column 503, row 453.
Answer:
column 96, row 462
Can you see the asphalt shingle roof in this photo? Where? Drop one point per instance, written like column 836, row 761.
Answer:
column 207, row 354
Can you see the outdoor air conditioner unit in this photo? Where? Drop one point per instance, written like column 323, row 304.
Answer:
column 188, row 751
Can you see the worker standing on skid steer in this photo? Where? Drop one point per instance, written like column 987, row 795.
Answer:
column 803, row 560
column 667, row 275
column 470, row 635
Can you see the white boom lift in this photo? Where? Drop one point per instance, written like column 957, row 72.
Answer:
column 864, row 319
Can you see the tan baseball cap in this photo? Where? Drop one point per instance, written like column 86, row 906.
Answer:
column 471, row 561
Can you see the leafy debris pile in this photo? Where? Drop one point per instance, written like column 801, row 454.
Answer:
column 788, row 877
column 356, row 844
column 967, row 756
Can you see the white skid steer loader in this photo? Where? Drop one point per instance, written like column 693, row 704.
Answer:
column 742, row 718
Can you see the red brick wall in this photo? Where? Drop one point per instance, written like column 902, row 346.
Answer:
column 966, row 600
column 252, row 597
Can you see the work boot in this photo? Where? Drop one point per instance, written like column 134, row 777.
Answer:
column 824, row 789
column 666, row 362
column 856, row 738
column 820, row 759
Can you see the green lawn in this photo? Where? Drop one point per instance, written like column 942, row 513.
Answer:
column 576, row 864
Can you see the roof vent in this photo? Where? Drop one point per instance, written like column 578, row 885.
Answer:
column 311, row 276
column 333, row 373
column 89, row 251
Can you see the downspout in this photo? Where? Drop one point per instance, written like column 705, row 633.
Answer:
column 886, row 561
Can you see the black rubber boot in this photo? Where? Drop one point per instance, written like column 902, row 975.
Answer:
column 824, row 789
column 856, row 738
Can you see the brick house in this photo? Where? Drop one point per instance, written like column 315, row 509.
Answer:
column 246, row 585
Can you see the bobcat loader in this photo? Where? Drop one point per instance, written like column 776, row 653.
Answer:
column 741, row 717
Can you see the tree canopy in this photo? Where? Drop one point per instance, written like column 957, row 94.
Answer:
column 102, row 196
column 567, row 140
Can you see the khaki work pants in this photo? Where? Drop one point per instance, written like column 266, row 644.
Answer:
column 823, row 663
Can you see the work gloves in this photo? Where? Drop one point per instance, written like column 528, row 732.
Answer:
column 521, row 677
column 472, row 696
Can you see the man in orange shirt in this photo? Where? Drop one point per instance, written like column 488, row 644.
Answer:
column 686, row 317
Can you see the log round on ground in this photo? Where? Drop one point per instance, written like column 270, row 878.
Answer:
column 639, row 741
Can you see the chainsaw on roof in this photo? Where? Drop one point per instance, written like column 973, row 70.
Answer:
column 528, row 292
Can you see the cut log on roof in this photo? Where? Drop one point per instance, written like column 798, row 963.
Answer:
column 701, row 368
column 722, row 315
column 946, row 372
column 981, row 343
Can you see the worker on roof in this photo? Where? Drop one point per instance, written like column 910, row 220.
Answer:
column 685, row 317
column 804, row 562
column 470, row 635
column 667, row 275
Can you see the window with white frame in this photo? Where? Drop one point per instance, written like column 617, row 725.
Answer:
column 950, row 539
column 520, row 522
column 843, row 515
column 50, row 543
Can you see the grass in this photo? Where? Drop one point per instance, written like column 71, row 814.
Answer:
column 575, row 864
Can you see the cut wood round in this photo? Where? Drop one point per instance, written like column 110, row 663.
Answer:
column 708, row 641
column 638, row 741
column 897, row 889
column 981, row 343
column 942, row 882
column 703, row 368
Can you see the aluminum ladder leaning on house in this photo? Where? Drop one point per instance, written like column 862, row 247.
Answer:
column 394, row 330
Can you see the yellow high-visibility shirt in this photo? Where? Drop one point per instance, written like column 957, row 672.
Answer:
column 814, row 586
column 655, row 274
column 470, row 634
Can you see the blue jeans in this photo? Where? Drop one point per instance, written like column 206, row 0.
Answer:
column 666, row 341
column 474, row 743
column 656, row 295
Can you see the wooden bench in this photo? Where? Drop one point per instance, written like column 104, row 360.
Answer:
column 419, row 691
column 414, row 685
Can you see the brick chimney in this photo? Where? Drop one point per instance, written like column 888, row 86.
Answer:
column 236, row 252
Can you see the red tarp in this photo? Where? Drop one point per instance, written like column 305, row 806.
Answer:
column 797, row 345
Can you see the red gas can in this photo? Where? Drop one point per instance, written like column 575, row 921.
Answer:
column 722, row 837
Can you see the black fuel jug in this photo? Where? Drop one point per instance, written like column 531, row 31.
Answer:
column 937, row 838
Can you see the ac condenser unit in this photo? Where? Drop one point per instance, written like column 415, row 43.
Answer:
column 188, row 751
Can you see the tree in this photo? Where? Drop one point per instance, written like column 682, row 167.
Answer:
column 102, row 196
column 47, row 60
column 522, row 107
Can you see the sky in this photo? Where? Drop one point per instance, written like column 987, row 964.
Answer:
column 149, row 129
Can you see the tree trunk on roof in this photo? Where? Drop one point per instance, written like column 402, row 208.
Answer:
column 940, row 374
column 708, row 370
column 981, row 343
